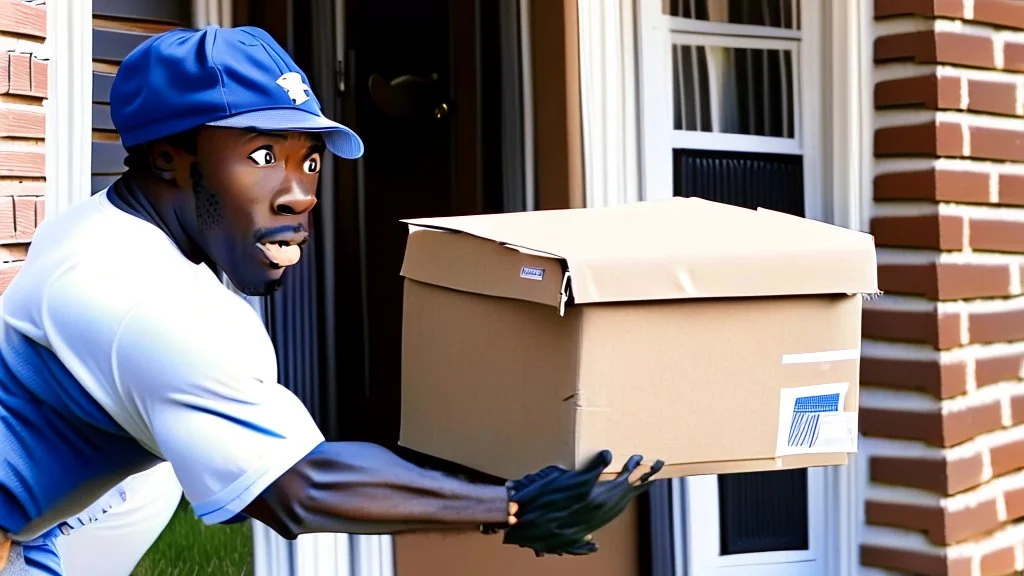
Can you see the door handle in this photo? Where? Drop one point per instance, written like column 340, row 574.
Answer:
column 409, row 97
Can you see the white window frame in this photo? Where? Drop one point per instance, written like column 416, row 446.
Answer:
column 702, row 518
column 625, row 77
column 657, row 32
column 739, row 142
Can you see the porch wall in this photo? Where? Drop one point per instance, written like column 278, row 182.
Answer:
column 23, row 91
column 943, row 395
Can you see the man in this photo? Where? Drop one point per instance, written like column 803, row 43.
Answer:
column 120, row 346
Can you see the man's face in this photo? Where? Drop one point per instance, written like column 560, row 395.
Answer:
column 252, row 193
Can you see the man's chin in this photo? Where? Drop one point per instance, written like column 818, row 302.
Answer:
column 265, row 289
column 258, row 287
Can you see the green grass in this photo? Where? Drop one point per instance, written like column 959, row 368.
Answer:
column 187, row 547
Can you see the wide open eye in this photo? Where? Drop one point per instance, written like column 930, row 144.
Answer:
column 312, row 165
column 262, row 157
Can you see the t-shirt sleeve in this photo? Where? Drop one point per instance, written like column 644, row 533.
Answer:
column 200, row 382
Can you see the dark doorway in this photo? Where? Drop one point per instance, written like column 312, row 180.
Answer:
column 421, row 82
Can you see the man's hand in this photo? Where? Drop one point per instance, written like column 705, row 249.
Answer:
column 559, row 509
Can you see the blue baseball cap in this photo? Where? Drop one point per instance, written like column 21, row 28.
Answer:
column 230, row 77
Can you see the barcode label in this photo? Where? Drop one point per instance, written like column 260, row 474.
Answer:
column 806, row 418
column 812, row 420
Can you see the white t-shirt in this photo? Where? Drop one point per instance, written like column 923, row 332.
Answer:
column 116, row 350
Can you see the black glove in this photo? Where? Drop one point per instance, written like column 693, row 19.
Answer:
column 552, row 488
column 553, row 519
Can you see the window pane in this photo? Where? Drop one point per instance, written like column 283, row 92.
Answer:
column 773, row 13
column 750, row 180
column 733, row 90
column 763, row 511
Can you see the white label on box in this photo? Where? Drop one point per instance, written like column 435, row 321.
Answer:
column 531, row 273
column 812, row 421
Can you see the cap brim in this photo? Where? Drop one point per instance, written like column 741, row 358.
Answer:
column 340, row 140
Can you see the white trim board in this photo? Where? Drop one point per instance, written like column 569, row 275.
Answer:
column 69, row 104
column 837, row 157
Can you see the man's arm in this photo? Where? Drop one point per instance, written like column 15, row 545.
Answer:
column 355, row 487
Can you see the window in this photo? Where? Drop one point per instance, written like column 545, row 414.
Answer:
column 732, row 77
column 730, row 110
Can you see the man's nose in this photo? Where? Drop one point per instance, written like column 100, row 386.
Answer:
column 294, row 199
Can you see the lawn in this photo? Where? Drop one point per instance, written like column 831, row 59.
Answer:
column 187, row 547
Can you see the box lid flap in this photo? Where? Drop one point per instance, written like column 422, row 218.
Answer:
column 683, row 248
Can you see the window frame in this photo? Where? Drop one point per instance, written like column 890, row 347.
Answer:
column 657, row 33
column 733, row 142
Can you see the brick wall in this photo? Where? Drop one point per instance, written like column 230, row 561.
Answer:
column 23, row 91
column 943, row 368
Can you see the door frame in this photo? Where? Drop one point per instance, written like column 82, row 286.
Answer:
column 615, row 38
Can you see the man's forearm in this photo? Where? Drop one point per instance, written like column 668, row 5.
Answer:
column 355, row 487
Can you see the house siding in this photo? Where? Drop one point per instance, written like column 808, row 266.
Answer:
column 23, row 91
column 942, row 403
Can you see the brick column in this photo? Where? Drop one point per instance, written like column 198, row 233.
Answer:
column 943, row 368
column 23, row 90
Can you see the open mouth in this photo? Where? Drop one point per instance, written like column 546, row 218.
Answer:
column 281, row 253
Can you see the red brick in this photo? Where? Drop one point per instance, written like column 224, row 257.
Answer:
column 22, row 163
column 1011, row 189
column 7, row 274
column 942, row 527
column 21, row 74
column 939, row 330
column 1014, row 503
column 24, row 218
column 931, row 139
column 40, row 210
column 992, row 97
column 1013, row 57
column 1004, row 13
column 21, row 18
column 929, row 47
column 40, row 78
column 961, row 281
column 916, row 91
column 946, row 477
column 13, row 252
column 935, row 184
column 1007, row 457
column 7, row 230
column 1001, row 561
column 918, row 563
column 926, row 231
column 944, row 8
column 939, row 380
column 989, row 143
column 1005, row 326
column 946, row 281
column 5, row 72
column 22, row 123
column 23, row 187
column 932, row 427
column 995, row 369
column 997, row 235
column 916, row 279
column 1017, row 408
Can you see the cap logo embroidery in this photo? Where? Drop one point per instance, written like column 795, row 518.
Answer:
column 294, row 86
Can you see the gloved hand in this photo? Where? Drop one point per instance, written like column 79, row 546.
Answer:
column 559, row 509
column 552, row 488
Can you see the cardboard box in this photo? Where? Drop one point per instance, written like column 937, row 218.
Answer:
column 716, row 338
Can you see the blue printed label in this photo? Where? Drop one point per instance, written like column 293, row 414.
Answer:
column 531, row 273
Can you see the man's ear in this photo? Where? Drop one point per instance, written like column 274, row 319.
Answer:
column 169, row 162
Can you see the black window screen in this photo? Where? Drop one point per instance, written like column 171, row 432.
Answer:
column 761, row 511
column 751, row 180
